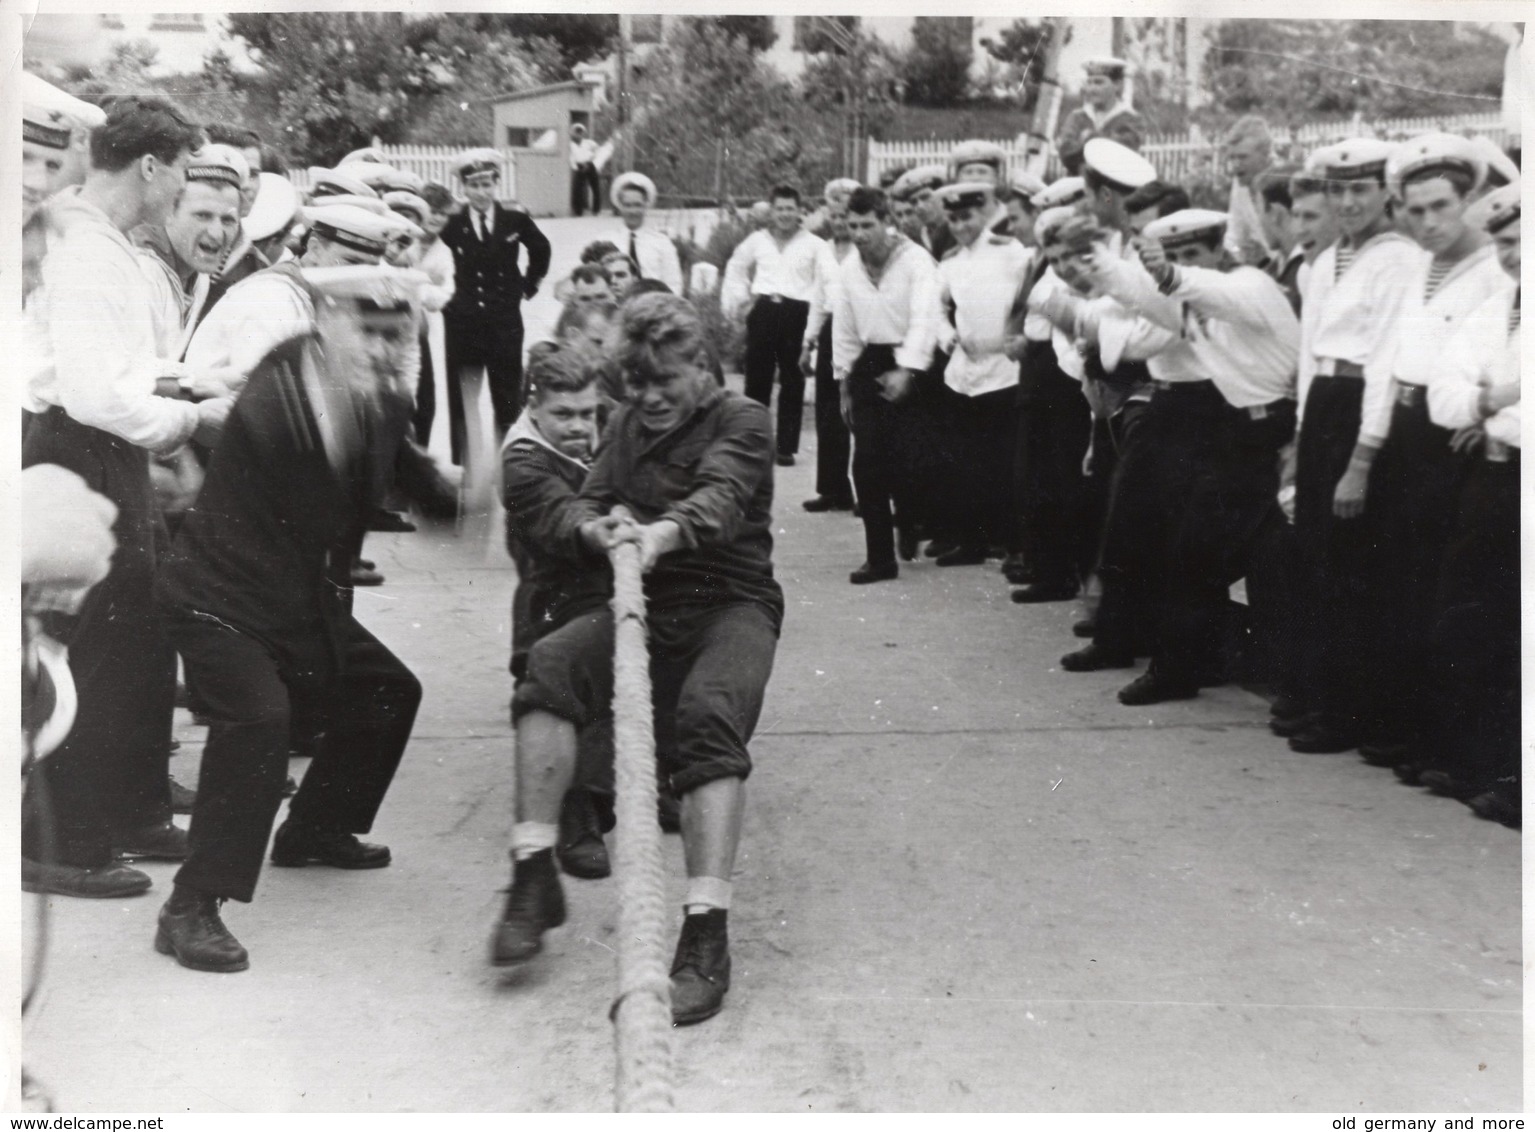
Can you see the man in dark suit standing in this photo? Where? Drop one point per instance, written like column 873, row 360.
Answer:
column 484, row 319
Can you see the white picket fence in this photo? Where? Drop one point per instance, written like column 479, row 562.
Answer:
column 1186, row 156
column 431, row 163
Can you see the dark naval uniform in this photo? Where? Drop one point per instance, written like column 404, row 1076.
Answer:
column 484, row 319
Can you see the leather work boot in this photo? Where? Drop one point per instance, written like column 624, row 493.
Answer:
column 295, row 846
column 534, row 903
column 190, row 929
column 580, row 851
column 701, row 968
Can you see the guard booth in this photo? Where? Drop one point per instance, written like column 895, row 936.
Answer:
column 534, row 125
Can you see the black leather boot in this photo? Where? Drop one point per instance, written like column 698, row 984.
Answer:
column 534, row 903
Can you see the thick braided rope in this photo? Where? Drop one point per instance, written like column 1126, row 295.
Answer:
column 642, row 1012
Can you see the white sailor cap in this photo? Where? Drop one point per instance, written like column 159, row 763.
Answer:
column 367, row 153
column 1108, row 65
column 965, row 195
column 276, row 205
column 333, row 182
column 1352, row 160
column 219, row 165
column 371, row 173
column 577, row 130
column 367, row 204
column 1051, row 219
column 409, row 205
column 841, row 185
column 1117, row 164
column 402, row 225
column 633, row 180
column 352, row 227
column 476, row 162
column 1433, row 152
column 1061, row 191
column 1495, row 211
column 977, row 151
column 1500, row 167
column 1024, row 185
column 49, row 115
column 371, row 286
column 401, row 181
column 1190, row 225
column 913, row 181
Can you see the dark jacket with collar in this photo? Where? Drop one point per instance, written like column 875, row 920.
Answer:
column 713, row 476
column 488, row 274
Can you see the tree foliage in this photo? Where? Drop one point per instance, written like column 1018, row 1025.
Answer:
column 208, row 96
column 1018, row 53
column 758, row 31
column 936, row 67
column 578, row 39
column 1305, row 69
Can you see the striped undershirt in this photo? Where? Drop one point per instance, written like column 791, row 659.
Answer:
column 1436, row 274
column 1343, row 257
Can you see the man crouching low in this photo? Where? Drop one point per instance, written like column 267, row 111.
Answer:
column 685, row 472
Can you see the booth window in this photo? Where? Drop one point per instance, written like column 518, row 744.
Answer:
column 542, row 138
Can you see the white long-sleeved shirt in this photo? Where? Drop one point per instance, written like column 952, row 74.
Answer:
column 1237, row 323
column 1353, row 319
column 655, row 253
column 982, row 281
column 437, row 261
column 583, row 152
column 88, row 336
column 901, row 311
column 799, row 270
column 1482, row 352
column 1425, row 327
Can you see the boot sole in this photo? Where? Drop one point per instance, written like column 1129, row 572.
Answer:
column 46, row 890
column 164, row 946
column 698, row 1016
column 303, row 862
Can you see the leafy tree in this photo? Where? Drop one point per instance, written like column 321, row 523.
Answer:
column 1019, row 52
column 576, row 38
column 758, row 31
column 471, row 67
column 936, row 68
column 338, row 79
column 209, row 96
column 1295, row 70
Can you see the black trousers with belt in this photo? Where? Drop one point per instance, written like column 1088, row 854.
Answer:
column 1475, row 638
column 1338, row 671
column 982, row 498
column 109, row 776
column 1221, row 517
column 833, row 442
column 1127, row 562
column 1414, row 487
column 775, row 335
column 883, row 454
column 426, row 395
column 1055, row 425
column 585, row 189
column 491, row 338
column 365, row 706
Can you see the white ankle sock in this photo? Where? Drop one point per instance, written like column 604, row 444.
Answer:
column 528, row 837
column 705, row 893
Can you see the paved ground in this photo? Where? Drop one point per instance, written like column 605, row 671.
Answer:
column 970, row 881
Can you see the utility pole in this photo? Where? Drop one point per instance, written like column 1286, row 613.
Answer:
column 625, row 145
column 1047, row 105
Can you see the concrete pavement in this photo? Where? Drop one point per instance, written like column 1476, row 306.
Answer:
column 970, row 881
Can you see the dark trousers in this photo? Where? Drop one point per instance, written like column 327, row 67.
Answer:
column 775, row 334
column 931, row 414
column 1059, row 539
column 1219, row 516
column 833, row 442
column 585, row 189
column 709, row 668
column 882, row 455
column 365, row 709
column 1338, row 672
column 426, row 396
column 1414, row 485
column 982, row 499
column 109, row 776
column 1127, row 561
column 1475, row 638
column 492, row 340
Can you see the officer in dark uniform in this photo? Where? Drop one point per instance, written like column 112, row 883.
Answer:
column 484, row 320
